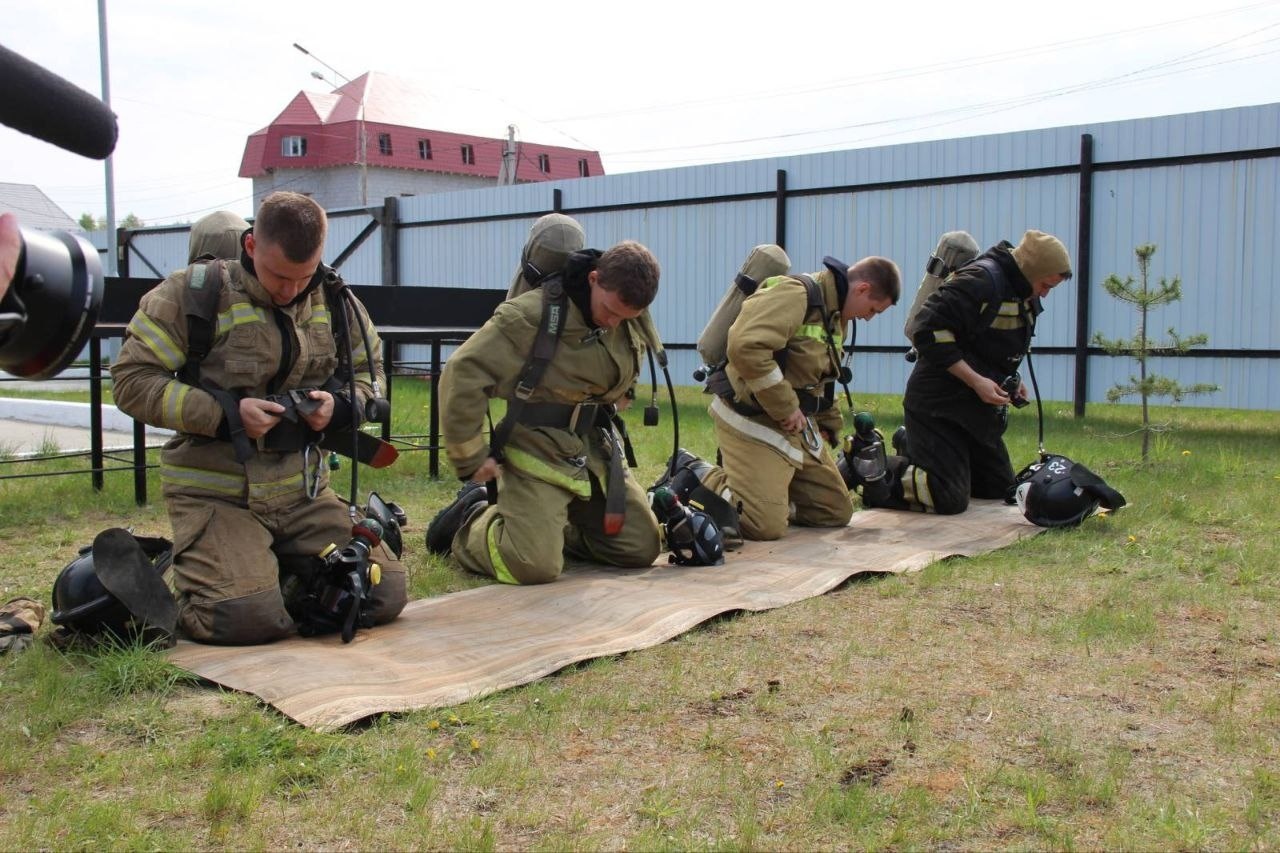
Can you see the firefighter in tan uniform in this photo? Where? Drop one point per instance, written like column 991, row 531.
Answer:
column 243, row 497
column 561, row 485
column 776, row 427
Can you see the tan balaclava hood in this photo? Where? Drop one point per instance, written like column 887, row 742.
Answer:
column 217, row 235
column 1040, row 254
column 551, row 240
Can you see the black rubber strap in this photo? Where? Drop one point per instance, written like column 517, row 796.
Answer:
column 235, row 427
column 615, row 495
column 555, row 304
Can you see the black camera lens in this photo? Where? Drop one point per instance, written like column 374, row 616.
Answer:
column 52, row 304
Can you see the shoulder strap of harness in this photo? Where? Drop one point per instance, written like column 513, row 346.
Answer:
column 205, row 280
column 995, row 275
column 200, row 305
column 844, row 375
column 555, row 307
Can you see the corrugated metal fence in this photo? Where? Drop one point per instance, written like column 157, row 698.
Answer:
column 1205, row 187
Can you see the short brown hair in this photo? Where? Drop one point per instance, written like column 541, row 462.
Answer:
column 882, row 274
column 631, row 271
column 292, row 221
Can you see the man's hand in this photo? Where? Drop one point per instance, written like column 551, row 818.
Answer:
column 989, row 391
column 793, row 422
column 487, row 471
column 319, row 419
column 10, row 249
column 259, row 416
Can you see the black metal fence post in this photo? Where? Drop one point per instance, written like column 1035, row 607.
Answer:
column 1082, row 273
column 780, row 210
column 95, row 412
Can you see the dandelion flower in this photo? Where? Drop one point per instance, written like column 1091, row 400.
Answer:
column 433, row 725
column 1186, row 453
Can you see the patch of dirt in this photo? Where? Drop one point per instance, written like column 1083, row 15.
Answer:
column 723, row 706
column 871, row 772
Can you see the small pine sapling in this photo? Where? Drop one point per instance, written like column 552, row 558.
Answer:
column 1141, row 348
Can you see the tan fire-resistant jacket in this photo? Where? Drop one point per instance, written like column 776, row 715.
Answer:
column 253, row 340
column 776, row 317
column 586, row 367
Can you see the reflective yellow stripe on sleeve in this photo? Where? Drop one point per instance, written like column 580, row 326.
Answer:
column 157, row 340
column 773, row 377
column 175, row 394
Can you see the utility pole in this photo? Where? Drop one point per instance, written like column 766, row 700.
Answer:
column 112, row 245
column 507, row 173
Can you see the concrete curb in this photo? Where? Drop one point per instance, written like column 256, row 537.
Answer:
column 59, row 413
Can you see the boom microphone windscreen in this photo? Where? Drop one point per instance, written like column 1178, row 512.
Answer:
column 42, row 104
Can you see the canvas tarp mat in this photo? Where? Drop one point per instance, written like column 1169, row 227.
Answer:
column 448, row 649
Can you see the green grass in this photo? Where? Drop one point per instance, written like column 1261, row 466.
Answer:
column 1113, row 686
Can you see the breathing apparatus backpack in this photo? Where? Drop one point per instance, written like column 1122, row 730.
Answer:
column 955, row 249
column 716, row 377
column 764, row 262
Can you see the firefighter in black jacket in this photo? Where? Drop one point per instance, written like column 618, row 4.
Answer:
column 972, row 335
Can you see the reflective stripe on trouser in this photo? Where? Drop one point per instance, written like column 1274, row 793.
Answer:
column 525, row 536
column 955, row 455
column 768, row 484
column 226, row 571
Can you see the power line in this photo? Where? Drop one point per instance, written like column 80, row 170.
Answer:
column 982, row 108
column 911, row 71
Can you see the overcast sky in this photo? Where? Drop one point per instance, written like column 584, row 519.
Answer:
column 650, row 85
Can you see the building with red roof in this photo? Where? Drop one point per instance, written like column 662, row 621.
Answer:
column 380, row 136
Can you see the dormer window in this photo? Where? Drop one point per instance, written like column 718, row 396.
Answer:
column 468, row 155
column 584, row 171
column 293, row 146
column 424, row 149
column 544, row 163
column 384, row 144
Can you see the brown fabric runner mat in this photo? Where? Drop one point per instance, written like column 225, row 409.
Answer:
column 456, row 647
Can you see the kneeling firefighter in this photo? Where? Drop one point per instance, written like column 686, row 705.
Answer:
column 563, row 357
column 231, row 355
